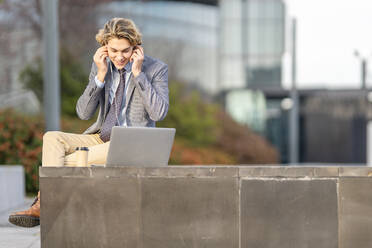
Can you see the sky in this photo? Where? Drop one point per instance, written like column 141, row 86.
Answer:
column 328, row 33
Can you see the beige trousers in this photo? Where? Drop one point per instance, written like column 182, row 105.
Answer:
column 59, row 148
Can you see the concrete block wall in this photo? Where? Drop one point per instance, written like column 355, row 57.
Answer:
column 206, row 206
column 12, row 186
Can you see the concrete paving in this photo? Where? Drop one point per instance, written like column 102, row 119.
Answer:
column 12, row 236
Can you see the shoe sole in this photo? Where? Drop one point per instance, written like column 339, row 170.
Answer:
column 24, row 220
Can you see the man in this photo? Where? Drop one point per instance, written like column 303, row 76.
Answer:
column 129, row 89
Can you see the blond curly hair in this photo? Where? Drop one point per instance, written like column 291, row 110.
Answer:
column 119, row 28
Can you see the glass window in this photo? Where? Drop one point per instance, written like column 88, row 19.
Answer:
column 274, row 9
column 254, row 8
column 253, row 38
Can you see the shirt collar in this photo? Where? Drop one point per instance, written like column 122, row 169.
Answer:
column 128, row 67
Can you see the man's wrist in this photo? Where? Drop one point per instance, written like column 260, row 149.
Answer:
column 99, row 83
column 101, row 77
column 135, row 74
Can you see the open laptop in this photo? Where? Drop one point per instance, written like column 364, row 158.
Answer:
column 140, row 146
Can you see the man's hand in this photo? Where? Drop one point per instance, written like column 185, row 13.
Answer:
column 100, row 60
column 137, row 58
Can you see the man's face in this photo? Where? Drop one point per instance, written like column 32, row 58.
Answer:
column 119, row 52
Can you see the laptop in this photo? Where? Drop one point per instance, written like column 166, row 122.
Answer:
column 140, row 146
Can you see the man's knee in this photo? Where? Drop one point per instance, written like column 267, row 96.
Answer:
column 51, row 135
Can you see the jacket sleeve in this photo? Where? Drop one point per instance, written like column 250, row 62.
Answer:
column 87, row 104
column 154, row 93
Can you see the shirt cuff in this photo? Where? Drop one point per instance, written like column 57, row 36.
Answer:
column 99, row 83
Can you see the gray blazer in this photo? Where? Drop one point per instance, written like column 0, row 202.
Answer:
column 147, row 98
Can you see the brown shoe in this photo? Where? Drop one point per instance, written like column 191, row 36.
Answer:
column 28, row 218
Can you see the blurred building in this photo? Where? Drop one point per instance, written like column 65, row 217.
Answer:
column 332, row 128
column 248, row 107
column 18, row 48
column 251, row 43
column 252, row 46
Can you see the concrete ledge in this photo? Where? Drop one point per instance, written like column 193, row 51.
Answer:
column 12, row 186
column 119, row 172
column 288, row 171
column 206, row 206
column 211, row 171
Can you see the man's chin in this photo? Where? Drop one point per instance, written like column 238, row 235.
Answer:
column 119, row 66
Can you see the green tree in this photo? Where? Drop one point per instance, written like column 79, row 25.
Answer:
column 194, row 120
column 73, row 81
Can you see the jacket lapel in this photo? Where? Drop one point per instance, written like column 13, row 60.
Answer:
column 130, row 90
column 131, row 85
column 109, row 79
column 107, row 92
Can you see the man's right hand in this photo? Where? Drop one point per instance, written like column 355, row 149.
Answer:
column 100, row 61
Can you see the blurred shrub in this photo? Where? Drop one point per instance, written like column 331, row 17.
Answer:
column 207, row 135
column 73, row 81
column 185, row 154
column 21, row 143
column 21, row 139
column 244, row 144
column 195, row 120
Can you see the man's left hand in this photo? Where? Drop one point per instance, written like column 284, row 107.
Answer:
column 137, row 58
